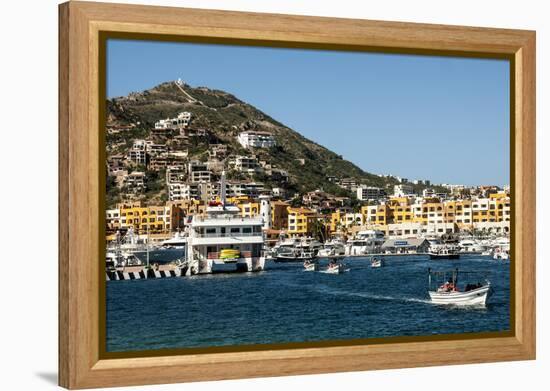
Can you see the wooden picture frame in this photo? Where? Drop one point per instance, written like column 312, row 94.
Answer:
column 81, row 362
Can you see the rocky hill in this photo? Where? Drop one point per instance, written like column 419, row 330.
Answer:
column 308, row 164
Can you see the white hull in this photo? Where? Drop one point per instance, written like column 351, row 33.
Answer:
column 501, row 256
column 474, row 297
column 376, row 264
column 312, row 267
column 336, row 269
column 331, row 253
column 232, row 265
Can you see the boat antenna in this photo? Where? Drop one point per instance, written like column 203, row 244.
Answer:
column 147, row 246
column 222, row 189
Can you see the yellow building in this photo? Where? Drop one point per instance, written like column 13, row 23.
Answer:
column 399, row 211
column 145, row 219
column 301, row 221
column 249, row 209
column 189, row 207
column 279, row 215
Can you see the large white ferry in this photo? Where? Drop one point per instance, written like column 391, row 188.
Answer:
column 223, row 241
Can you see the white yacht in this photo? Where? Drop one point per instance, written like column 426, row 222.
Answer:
column 471, row 246
column 179, row 240
column 365, row 242
column 332, row 248
column 223, row 241
column 295, row 249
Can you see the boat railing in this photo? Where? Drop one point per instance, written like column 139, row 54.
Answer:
column 228, row 234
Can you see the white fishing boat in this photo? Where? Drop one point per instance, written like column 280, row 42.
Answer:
column 450, row 293
column 310, row 266
column 376, row 262
column 501, row 254
column 335, row 267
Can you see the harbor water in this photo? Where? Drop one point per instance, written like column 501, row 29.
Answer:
column 286, row 304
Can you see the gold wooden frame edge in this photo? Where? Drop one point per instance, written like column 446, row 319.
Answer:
column 80, row 365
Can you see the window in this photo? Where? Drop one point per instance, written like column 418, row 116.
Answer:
column 247, row 230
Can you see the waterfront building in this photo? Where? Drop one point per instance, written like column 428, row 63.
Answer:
column 301, row 221
column 279, row 215
column 112, row 220
column 188, row 208
column 406, row 246
column 252, row 139
column 149, row 219
column 249, row 209
column 265, row 211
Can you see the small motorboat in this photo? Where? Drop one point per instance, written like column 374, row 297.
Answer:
column 501, row 254
column 335, row 267
column 376, row 262
column 472, row 294
column 311, row 266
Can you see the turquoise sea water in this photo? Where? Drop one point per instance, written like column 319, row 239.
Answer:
column 286, row 304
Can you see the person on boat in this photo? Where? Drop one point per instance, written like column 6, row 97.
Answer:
column 448, row 286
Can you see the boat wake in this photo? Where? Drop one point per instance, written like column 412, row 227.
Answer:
column 323, row 289
column 328, row 272
column 337, row 292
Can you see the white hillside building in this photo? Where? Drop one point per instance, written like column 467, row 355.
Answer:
column 256, row 140
column 181, row 121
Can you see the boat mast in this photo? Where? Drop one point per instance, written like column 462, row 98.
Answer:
column 147, row 246
column 222, row 189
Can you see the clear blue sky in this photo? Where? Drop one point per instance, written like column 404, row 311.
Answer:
column 418, row 117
